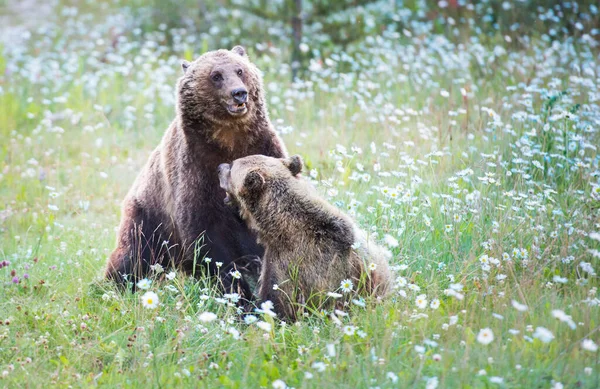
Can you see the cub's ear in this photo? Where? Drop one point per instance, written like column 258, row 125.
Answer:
column 254, row 181
column 294, row 163
column 185, row 65
column 239, row 50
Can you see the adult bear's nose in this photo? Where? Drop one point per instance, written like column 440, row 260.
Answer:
column 239, row 95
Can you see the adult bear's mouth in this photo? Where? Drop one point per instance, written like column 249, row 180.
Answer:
column 237, row 109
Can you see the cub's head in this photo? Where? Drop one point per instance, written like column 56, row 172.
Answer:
column 246, row 180
column 220, row 85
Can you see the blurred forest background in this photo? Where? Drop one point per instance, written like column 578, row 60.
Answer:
column 312, row 30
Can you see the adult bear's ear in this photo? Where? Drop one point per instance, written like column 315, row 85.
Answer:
column 185, row 65
column 294, row 163
column 253, row 181
column 239, row 50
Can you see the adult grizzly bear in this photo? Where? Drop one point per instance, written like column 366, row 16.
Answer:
column 174, row 212
column 311, row 247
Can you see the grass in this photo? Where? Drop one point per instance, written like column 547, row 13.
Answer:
column 446, row 179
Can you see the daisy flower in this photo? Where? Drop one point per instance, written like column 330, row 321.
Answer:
column 560, row 315
column 401, row 282
column 150, row 300
column 421, row 301
column 589, row 345
column 518, row 306
column 485, row 336
column 207, row 317
column 414, row 287
column 392, row 377
column 331, row 350
column 560, row 280
column 144, row 284
column 263, row 325
column 432, row 383
column 233, row 332
column 543, row 334
column 346, row 286
column 319, row 366
column 267, row 308
column 435, row 304
column 390, row 241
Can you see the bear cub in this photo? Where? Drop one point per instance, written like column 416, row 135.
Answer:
column 311, row 247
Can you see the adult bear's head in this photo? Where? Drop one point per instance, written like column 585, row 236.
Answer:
column 221, row 86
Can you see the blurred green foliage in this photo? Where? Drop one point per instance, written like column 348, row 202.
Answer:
column 316, row 29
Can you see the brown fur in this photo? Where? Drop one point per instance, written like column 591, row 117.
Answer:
column 310, row 245
column 176, row 196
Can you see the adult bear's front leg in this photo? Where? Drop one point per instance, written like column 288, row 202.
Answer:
column 142, row 241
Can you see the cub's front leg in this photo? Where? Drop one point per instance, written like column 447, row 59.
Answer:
column 268, row 278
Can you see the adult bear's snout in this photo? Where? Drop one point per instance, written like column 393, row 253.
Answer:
column 240, row 95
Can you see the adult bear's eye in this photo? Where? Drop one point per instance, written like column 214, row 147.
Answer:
column 239, row 72
column 217, row 77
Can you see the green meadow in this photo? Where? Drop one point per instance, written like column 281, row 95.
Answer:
column 466, row 147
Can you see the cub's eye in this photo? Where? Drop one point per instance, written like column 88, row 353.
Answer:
column 217, row 77
column 239, row 72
